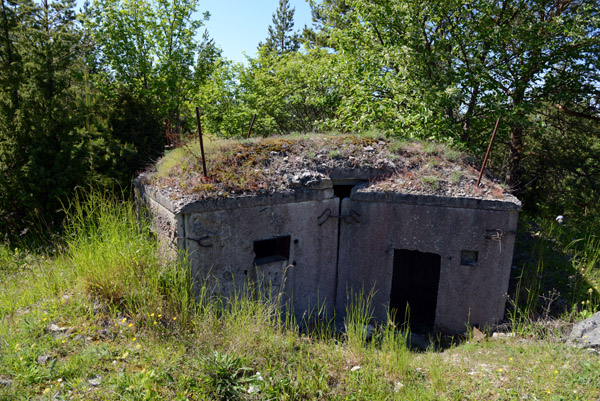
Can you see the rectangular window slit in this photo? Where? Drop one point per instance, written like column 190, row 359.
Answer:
column 468, row 258
column 272, row 250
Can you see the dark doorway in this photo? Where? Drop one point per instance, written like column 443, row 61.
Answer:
column 414, row 289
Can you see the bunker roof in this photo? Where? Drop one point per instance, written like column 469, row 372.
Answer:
column 276, row 165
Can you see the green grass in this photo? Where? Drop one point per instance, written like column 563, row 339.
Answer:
column 127, row 326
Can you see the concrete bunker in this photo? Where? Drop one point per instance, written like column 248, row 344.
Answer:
column 439, row 263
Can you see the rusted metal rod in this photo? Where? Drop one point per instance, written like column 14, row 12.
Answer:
column 201, row 142
column 251, row 125
column 489, row 149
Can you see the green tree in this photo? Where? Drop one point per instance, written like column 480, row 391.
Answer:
column 449, row 69
column 150, row 47
column 42, row 151
column 281, row 38
column 292, row 92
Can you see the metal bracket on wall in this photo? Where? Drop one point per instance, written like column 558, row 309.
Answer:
column 497, row 234
column 196, row 240
column 350, row 218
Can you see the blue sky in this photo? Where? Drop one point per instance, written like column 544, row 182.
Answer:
column 238, row 26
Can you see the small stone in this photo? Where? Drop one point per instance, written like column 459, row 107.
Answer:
column 478, row 336
column 369, row 148
column 502, row 335
column 398, row 386
column 5, row 382
column 355, row 368
column 95, row 381
column 42, row 359
column 55, row 328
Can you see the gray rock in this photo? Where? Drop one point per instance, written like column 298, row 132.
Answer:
column 42, row 359
column 95, row 381
column 5, row 382
column 54, row 328
column 586, row 334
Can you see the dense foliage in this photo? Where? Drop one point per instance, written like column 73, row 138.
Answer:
column 92, row 98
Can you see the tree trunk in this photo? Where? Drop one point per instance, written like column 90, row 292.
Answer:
column 514, row 173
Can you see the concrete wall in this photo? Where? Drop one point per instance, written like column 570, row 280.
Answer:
column 225, row 257
column 219, row 237
column 444, row 226
column 165, row 223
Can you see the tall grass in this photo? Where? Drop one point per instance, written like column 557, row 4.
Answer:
column 559, row 275
column 116, row 260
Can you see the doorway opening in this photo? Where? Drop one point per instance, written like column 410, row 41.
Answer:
column 415, row 280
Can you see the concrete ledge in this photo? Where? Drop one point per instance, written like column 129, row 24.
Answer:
column 321, row 191
column 297, row 196
column 146, row 190
column 432, row 200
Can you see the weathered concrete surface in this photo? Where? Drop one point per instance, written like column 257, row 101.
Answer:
column 219, row 236
column 472, row 295
column 164, row 222
column 586, row 334
column 225, row 254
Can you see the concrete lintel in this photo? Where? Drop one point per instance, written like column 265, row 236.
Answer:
column 432, row 200
column 360, row 174
column 303, row 195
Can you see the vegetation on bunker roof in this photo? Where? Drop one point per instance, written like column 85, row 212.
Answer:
column 279, row 164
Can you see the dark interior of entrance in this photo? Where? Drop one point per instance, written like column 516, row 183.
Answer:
column 415, row 280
